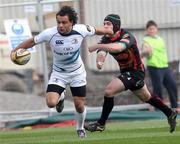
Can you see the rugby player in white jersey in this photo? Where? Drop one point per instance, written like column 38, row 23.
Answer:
column 68, row 69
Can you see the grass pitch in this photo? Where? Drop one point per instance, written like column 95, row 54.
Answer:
column 132, row 132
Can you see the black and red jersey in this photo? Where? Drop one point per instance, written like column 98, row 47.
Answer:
column 128, row 59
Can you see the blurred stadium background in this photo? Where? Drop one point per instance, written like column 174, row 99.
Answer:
column 22, row 89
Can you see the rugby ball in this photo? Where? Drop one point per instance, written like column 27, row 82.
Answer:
column 21, row 56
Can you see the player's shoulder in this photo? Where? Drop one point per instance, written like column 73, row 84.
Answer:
column 51, row 30
column 46, row 34
column 78, row 26
column 126, row 34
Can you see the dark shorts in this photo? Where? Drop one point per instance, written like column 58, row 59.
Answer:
column 132, row 80
column 76, row 91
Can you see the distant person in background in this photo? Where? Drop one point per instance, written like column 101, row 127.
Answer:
column 68, row 68
column 123, row 47
column 157, row 64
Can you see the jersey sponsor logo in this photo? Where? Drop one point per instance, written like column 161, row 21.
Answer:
column 59, row 42
column 88, row 28
column 64, row 53
column 74, row 41
column 68, row 48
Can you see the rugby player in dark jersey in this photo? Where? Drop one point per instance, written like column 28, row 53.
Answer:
column 123, row 47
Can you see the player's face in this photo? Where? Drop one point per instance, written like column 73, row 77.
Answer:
column 108, row 25
column 152, row 30
column 64, row 24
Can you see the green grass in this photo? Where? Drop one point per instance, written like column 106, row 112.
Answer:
column 132, row 132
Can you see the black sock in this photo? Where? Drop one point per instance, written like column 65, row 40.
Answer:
column 107, row 108
column 157, row 102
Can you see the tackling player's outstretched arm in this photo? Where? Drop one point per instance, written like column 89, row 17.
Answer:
column 103, row 31
column 110, row 47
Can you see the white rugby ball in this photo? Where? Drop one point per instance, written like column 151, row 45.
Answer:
column 21, row 56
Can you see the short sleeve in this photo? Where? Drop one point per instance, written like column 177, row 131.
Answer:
column 42, row 37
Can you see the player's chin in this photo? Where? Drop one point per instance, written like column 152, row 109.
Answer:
column 62, row 31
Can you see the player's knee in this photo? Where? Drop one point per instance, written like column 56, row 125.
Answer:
column 52, row 99
column 80, row 108
column 51, row 103
column 109, row 92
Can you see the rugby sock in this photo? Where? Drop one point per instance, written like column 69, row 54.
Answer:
column 80, row 117
column 157, row 102
column 107, row 108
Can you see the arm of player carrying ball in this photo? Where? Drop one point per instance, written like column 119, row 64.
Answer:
column 26, row 44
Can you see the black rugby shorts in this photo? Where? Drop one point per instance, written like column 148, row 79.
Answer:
column 132, row 80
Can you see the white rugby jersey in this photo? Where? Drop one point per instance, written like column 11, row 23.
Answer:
column 65, row 48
